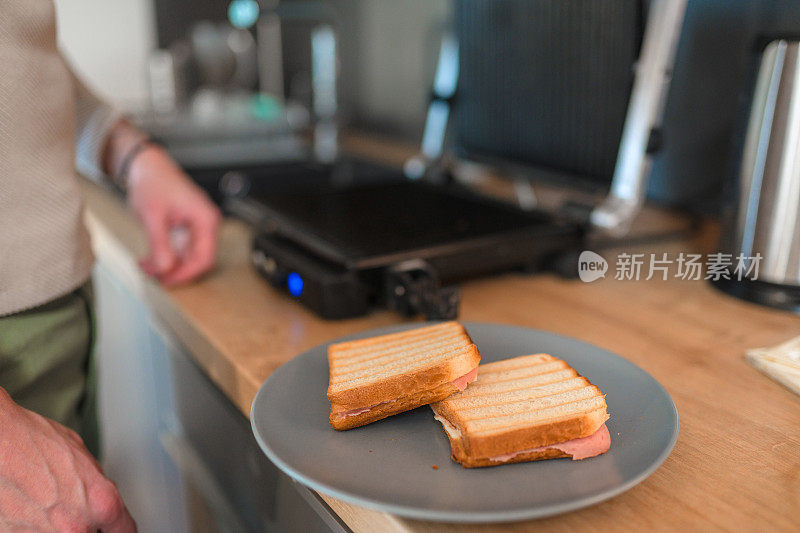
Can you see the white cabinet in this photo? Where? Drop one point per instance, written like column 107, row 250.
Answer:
column 135, row 401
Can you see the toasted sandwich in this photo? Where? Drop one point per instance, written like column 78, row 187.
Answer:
column 525, row 409
column 374, row 378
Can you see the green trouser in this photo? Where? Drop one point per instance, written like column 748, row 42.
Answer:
column 46, row 362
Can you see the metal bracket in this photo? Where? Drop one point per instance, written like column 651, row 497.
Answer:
column 323, row 81
column 645, row 111
column 444, row 88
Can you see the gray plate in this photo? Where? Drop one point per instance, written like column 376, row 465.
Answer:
column 388, row 465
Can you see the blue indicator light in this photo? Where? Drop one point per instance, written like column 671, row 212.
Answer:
column 243, row 13
column 294, row 283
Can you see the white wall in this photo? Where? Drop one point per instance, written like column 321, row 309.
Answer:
column 108, row 42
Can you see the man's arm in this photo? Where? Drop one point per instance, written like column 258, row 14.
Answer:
column 181, row 222
column 49, row 482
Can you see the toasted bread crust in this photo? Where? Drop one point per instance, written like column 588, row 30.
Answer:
column 459, row 455
column 469, row 462
column 462, row 456
column 421, row 380
column 488, row 445
column 476, row 449
column 474, row 439
column 399, row 405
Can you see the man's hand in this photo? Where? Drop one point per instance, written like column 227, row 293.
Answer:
column 181, row 222
column 49, row 481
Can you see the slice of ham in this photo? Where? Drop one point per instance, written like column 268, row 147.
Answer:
column 595, row 444
column 460, row 383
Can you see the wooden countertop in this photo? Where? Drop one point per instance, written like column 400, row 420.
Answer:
column 736, row 465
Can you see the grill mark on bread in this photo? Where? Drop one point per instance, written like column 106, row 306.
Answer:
column 537, row 370
column 399, row 351
column 551, row 401
column 489, row 389
column 521, row 394
column 378, row 343
column 496, row 424
column 366, row 355
column 417, row 362
column 385, row 375
column 520, row 404
column 523, row 361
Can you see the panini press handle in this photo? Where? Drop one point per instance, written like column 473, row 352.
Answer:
column 413, row 288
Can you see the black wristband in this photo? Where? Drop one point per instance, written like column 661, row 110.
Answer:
column 120, row 178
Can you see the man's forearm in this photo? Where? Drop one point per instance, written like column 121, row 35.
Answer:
column 49, row 481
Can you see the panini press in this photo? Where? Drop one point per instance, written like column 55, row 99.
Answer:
column 357, row 239
column 399, row 244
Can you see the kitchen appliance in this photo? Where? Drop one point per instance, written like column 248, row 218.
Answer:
column 762, row 233
column 343, row 250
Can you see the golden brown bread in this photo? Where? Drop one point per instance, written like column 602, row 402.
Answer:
column 553, row 433
column 397, row 372
column 387, row 409
column 520, row 404
column 401, row 384
column 459, row 455
column 435, row 330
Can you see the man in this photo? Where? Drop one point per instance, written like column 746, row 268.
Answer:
column 48, row 479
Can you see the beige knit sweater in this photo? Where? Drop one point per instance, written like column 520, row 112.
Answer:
column 48, row 122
